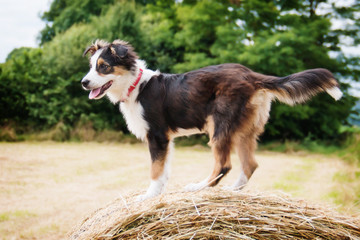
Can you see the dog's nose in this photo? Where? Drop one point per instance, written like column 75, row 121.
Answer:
column 85, row 82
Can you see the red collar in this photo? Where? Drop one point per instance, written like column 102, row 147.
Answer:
column 133, row 86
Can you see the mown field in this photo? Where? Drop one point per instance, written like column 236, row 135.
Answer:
column 48, row 188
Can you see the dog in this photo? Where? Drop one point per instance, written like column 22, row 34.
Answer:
column 229, row 102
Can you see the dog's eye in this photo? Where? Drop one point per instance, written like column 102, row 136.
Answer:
column 104, row 66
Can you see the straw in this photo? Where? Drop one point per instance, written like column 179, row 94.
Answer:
column 217, row 214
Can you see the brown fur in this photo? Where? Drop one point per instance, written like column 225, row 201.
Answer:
column 119, row 71
column 157, row 167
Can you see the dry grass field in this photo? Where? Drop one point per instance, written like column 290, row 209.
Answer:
column 48, row 188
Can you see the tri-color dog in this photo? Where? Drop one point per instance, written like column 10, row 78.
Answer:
column 229, row 102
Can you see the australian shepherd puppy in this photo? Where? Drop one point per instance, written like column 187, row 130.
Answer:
column 229, row 102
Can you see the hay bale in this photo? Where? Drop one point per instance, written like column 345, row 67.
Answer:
column 216, row 214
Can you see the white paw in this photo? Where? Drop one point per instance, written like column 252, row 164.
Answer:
column 192, row 187
column 143, row 197
column 156, row 188
column 239, row 184
column 147, row 195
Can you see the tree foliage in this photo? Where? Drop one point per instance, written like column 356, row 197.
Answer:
column 40, row 87
column 65, row 13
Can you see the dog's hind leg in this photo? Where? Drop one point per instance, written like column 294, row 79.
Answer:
column 221, row 150
column 245, row 148
column 245, row 140
column 161, row 149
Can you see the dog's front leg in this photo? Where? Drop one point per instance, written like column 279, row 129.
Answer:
column 160, row 150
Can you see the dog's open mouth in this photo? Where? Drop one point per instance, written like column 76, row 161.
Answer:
column 98, row 92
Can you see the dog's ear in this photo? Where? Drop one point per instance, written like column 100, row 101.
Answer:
column 96, row 46
column 92, row 49
column 119, row 50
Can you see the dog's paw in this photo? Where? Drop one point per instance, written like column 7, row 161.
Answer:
column 143, row 197
column 149, row 194
column 192, row 187
column 239, row 184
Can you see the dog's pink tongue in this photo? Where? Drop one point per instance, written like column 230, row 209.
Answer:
column 94, row 93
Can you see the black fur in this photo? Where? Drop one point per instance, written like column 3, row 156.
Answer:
column 126, row 59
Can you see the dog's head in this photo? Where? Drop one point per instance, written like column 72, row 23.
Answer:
column 112, row 67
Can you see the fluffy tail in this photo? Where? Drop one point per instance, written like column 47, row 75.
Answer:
column 299, row 87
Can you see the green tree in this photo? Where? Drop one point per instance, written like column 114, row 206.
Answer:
column 65, row 13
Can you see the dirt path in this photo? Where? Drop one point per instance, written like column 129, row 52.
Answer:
column 48, row 188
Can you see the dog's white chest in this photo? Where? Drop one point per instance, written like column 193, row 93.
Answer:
column 133, row 113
